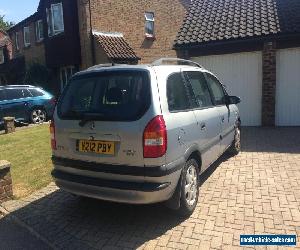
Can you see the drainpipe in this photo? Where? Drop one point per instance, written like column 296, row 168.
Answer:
column 92, row 37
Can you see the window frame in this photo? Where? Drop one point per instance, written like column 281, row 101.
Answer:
column 39, row 30
column 26, row 43
column 2, row 57
column 33, row 94
column 63, row 72
column 206, row 74
column 152, row 21
column 17, row 41
column 51, row 21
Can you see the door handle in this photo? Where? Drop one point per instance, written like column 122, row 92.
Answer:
column 222, row 119
column 203, row 126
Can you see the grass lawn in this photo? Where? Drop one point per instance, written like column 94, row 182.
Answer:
column 29, row 152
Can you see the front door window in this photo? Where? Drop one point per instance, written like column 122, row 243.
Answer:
column 216, row 89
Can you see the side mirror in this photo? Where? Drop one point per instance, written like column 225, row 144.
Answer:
column 232, row 100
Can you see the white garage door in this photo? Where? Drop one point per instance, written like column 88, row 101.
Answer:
column 242, row 75
column 288, row 87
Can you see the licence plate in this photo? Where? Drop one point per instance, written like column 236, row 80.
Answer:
column 98, row 147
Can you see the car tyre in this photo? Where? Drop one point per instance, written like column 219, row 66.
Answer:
column 38, row 115
column 235, row 147
column 189, row 188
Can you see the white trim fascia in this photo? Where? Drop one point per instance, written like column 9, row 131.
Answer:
column 110, row 34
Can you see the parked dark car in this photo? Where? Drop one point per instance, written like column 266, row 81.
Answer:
column 26, row 103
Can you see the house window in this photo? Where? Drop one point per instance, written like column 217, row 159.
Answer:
column 17, row 41
column 149, row 24
column 55, row 19
column 39, row 30
column 26, row 36
column 65, row 74
column 1, row 56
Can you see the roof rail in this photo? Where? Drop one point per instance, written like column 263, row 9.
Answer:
column 19, row 86
column 101, row 65
column 179, row 61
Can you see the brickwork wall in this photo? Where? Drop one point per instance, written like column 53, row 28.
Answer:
column 269, row 84
column 6, row 192
column 101, row 56
column 128, row 18
column 85, row 34
column 34, row 53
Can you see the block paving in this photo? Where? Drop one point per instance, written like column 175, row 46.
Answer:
column 256, row 192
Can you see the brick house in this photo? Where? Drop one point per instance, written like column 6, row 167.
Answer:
column 254, row 48
column 49, row 37
column 67, row 36
column 148, row 27
column 5, row 55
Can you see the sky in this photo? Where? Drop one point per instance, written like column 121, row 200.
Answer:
column 17, row 10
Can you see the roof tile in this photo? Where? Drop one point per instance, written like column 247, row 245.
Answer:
column 211, row 20
column 115, row 46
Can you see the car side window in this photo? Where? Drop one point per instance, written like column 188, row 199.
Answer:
column 26, row 93
column 35, row 92
column 12, row 94
column 216, row 89
column 2, row 95
column 199, row 89
column 177, row 93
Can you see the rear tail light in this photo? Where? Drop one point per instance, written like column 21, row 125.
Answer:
column 52, row 134
column 155, row 138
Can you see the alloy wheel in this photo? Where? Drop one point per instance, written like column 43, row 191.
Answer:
column 191, row 185
column 237, row 141
column 38, row 116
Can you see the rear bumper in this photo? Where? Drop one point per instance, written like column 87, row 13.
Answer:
column 107, row 183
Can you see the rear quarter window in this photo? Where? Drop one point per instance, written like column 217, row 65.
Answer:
column 112, row 95
column 36, row 92
column 177, row 93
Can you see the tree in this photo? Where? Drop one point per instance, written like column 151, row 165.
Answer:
column 5, row 25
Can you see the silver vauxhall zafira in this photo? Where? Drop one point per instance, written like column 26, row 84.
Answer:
column 142, row 134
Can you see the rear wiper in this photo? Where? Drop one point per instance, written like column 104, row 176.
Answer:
column 87, row 117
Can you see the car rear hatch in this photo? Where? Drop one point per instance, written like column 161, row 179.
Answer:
column 101, row 117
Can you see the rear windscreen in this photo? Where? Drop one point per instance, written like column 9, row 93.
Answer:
column 112, row 95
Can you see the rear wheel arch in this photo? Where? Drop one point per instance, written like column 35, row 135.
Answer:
column 196, row 155
column 239, row 122
column 193, row 152
column 188, row 188
column 37, row 107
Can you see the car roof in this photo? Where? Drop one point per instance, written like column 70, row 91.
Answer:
column 110, row 67
column 17, row 86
